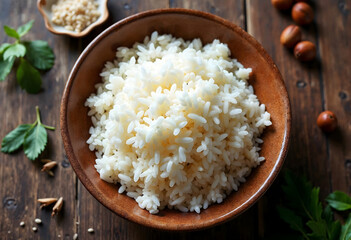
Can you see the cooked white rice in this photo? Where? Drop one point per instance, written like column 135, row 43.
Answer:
column 175, row 123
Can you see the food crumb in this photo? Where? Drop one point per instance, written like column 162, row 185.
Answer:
column 34, row 229
column 77, row 223
column 8, row 232
column 59, row 236
column 90, row 230
column 75, row 236
column 37, row 220
column 22, row 224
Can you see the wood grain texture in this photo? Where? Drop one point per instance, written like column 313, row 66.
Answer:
column 322, row 158
column 323, row 84
column 21, row 180
column 334, row 41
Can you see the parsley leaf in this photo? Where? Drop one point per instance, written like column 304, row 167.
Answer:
column 333, row 227
column 22, row 30
column 318, row 228
column 33, row 138
column 292, row 219
column 315, row 205
column 28, row 77
column 13, row 140
column 298, row 191
column 11, row 32
column 305, row 214
column 5, row 67
column 3, row 47
column 32, row 55
column 339, row 201
column 39, row 54
column 35, row 141
column 15, row 50
column 346, row 230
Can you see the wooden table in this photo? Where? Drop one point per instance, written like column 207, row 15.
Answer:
column 314, row 87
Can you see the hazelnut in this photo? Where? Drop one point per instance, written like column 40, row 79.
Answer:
column 327, row 121
column 290, row 36
column 282, row 4
column 302, row 13
column 305, row 51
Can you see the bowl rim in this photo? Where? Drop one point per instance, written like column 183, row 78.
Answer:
column 149, row 223
column 86, row 31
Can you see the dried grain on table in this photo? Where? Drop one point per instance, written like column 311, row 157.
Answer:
column 75, row 15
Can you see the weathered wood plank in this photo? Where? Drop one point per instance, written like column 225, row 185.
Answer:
column 21, row 180
column 233, row 11
column 308, row 153
column 333, row 24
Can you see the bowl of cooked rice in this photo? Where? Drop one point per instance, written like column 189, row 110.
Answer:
column 175, row 119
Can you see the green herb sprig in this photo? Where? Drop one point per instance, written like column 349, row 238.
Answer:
column 305, row 214
column 32, row 56
column 33, row 138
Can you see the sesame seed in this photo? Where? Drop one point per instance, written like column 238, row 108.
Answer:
column 90, row 230
column 75, row 236
column 37, row 220
column 34, row 229
column 22, row 224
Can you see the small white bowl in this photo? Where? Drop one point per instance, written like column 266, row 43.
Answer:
column 44, row 7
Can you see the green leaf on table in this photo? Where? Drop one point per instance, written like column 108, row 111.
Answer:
column 346, row 229
column 333, row 227
column 291, row 218
column 39, row 54
column 33, row 138
column 298, row 192
column 11, row 32
column 315, row 205
column 14, row 139
column 5, row 67
column 339, row 201
column 22, row 30
column 318, row 228
column 35, row 142
column 15, row 50
column 28, row 77
column 3, row 47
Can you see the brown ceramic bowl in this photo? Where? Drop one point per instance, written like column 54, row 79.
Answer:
column 44, row 7
column 187, row 24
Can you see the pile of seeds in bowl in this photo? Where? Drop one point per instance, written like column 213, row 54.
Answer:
column 75, row 15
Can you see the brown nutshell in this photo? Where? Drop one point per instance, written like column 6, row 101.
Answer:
column 305, row 51
column 327, row 121
column 290, row 36
column 46, row 201
column 282, row 4
column 302, row 13
column 57, row 207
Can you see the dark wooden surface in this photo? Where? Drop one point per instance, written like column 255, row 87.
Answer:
column 313, row 87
